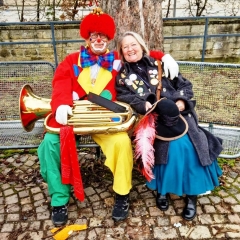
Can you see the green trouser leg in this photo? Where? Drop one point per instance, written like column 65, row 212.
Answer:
column 50, row 168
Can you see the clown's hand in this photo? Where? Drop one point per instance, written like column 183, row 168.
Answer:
column 62, row 114
column 171, row 68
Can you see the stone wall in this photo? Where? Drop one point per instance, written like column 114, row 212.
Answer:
column 41, row 47
column 218, row 49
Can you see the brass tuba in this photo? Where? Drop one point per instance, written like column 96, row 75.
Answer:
column 87, row 117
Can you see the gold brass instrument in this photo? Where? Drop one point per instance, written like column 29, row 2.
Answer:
column 87, row 117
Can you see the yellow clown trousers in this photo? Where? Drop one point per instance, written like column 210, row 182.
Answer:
column 116, row 147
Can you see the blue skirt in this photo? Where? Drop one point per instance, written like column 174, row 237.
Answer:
column 184, row 174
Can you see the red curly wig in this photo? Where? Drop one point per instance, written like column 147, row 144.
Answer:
column 97, row 22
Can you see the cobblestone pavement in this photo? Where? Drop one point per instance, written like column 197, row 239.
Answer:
column 25, row 211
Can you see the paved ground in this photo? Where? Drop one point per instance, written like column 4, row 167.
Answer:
column 25, row 211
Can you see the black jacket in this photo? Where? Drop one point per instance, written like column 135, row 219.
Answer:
column 132, row 90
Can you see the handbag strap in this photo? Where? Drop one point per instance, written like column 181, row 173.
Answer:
column 159, row 87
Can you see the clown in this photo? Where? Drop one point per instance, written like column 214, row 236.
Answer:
column 92, row 69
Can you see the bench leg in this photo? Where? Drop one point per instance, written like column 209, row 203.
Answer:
column 98, row 152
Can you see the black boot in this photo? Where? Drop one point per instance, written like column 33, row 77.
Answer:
column 120, row 209
column 60, row 215
column 190, row 209
column 162, row 202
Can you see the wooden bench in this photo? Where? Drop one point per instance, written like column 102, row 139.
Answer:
column 216, row 88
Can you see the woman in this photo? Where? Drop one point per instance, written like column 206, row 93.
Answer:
column 183, row 166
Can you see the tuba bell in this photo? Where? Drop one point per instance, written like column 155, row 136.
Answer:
column 87, row 117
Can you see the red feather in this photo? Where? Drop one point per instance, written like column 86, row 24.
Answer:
column 144, row 138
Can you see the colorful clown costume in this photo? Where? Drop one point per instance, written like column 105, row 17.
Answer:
column 116, row 147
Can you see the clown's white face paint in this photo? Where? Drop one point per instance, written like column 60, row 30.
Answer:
column 97, row 46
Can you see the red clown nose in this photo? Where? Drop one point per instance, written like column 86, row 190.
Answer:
column 99, row 39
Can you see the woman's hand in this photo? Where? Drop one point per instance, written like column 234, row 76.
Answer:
column 148, row 105
column 181, row 105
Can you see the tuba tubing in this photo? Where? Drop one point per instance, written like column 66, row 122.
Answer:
column 88, row 117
